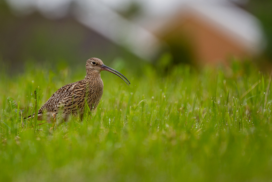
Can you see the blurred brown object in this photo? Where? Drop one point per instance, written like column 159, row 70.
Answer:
column 211, row 35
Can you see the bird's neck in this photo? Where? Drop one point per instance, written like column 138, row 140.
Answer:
column 93, row 74
column 94, row 80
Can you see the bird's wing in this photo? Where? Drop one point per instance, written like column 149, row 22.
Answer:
column 65, row 97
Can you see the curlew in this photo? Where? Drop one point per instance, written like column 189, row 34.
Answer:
column 71, row 98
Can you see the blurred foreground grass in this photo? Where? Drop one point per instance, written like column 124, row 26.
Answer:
column 213, row 125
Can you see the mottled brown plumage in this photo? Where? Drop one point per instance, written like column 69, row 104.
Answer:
column 71, row 98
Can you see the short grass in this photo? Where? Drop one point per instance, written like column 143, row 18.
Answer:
column 209, row 125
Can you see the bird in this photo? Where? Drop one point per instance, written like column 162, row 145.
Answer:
column 72, row 98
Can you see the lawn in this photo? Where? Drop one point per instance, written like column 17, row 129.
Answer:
column 184, row 125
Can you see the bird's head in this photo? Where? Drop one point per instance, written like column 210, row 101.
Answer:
column 95, row 65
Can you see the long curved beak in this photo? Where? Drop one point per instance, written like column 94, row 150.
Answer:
column 106, row 68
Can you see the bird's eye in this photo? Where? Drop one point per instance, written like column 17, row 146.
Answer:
column 93, row 62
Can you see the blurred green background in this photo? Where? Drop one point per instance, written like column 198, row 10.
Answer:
column 261, row 9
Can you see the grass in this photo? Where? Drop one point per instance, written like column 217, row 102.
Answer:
column 212, row 125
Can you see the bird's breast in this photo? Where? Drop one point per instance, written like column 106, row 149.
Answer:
column 95, row 92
